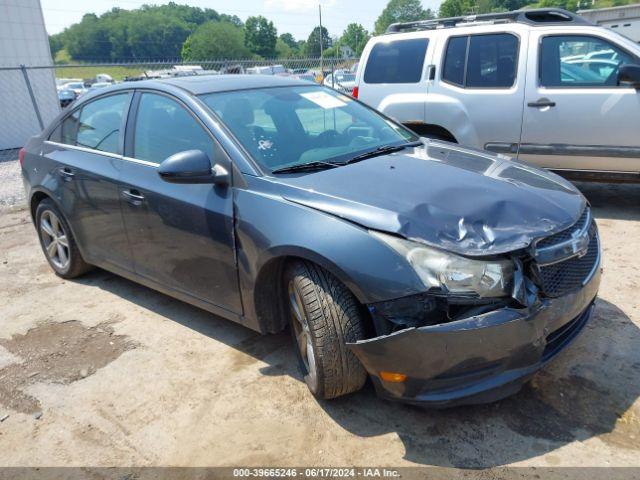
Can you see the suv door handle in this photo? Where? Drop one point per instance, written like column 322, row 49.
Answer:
column 133, row 197
column 541, row 103
column 66, row 173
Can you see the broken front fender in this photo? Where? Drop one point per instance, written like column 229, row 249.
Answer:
column 477, row 359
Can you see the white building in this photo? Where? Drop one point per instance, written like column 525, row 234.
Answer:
column 625, row 19
column 24, row 41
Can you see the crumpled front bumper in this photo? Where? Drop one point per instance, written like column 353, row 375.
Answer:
column 478, row 359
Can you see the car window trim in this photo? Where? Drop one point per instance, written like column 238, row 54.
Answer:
column 78, row 108
column 588, row 87
column 129, row 145
column 516, row 62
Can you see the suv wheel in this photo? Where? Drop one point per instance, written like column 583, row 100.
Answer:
column 324, row 317
column 57, row 242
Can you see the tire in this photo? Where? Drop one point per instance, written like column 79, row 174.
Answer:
column 333, row 318
column 57, row 242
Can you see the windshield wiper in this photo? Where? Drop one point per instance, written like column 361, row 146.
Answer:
column 305, row 167
column 382, row 151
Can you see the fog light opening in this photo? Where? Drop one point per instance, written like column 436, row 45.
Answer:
column 393, row 377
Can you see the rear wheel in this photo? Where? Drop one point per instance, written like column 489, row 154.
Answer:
column 57, row 241
column 324, row 317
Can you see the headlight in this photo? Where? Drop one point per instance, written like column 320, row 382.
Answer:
column 454, row 273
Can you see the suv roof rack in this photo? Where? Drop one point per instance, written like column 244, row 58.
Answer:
column 534, row 16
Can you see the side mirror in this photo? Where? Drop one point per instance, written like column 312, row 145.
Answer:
column 192, row 166
column 629, row 76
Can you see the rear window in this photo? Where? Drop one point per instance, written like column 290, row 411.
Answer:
column 400, row 61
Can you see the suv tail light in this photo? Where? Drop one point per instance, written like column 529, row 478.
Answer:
column 354, row 94
column 21, row 156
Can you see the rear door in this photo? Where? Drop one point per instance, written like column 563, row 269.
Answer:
column 182, row 236
column 86, row 153
column 576, row 116
column 479, row 89
column 394, row 78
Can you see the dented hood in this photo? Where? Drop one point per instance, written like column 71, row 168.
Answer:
column 465, row 201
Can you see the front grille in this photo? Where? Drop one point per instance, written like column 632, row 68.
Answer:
column 560, row 278
column 565, row 235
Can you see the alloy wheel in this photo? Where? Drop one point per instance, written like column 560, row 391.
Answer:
column 55, row 240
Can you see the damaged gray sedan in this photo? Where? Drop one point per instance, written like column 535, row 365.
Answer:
column 446, row 275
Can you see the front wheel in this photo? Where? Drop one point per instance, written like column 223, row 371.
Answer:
column 324, row 317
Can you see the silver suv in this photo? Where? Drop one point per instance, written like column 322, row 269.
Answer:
column 544, row 85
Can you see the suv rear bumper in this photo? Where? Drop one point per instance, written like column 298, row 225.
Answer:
column 480, row 359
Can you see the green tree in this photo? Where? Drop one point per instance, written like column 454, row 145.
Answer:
column 355, row 36
column 283, row 50
column 156, row 36
column 215, row 40
column 260, row 36
column 401, row 11
column 312, row 47
column 289, row 40
column 88, row 40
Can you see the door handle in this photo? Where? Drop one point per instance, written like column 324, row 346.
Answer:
column 66, row 173
column 133, row 197
column 541, row 103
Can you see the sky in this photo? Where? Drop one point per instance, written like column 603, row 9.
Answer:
column 297, row 17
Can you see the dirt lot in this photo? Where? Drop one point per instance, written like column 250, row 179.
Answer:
column 101, row 371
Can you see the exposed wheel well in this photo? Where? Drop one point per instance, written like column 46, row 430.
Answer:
column 269, row 295
column 35, row 201
column 432, row 131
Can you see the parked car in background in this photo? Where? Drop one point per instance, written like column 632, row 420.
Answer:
column 447, row 275
column 104, row 78
column 77, row 87
column 98, row 85
column 65, row 97
column 267, row 70
column 342, row 81
column 542, row 85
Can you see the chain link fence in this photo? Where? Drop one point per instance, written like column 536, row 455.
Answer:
column 338, row 73
column 31, row 96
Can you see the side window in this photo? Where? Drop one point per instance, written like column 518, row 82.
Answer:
column 454, row 60
column 399, row 61
column 67, row 131
column 481, row 61
column 99, row 123
column 492, row 61
column 580, row 61
column 164, row 127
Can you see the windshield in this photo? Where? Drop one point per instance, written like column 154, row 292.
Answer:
column 287, row 126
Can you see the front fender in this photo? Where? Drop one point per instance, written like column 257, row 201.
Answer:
column 269, row 227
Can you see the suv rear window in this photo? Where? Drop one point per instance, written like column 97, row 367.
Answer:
column 488, row 60
column 400, row 61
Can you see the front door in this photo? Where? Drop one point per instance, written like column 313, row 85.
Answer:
column 86, row 151
column 181, row 235
column 576, row 117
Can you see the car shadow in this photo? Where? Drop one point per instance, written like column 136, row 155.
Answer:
column 618, row 201
column 588, row 391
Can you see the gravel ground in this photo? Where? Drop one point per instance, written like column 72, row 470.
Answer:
column 101, row 371
column 11, row 189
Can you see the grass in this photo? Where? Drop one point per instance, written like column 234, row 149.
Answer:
column 87, row 72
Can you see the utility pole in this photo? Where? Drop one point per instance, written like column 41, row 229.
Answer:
column 321, row 53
